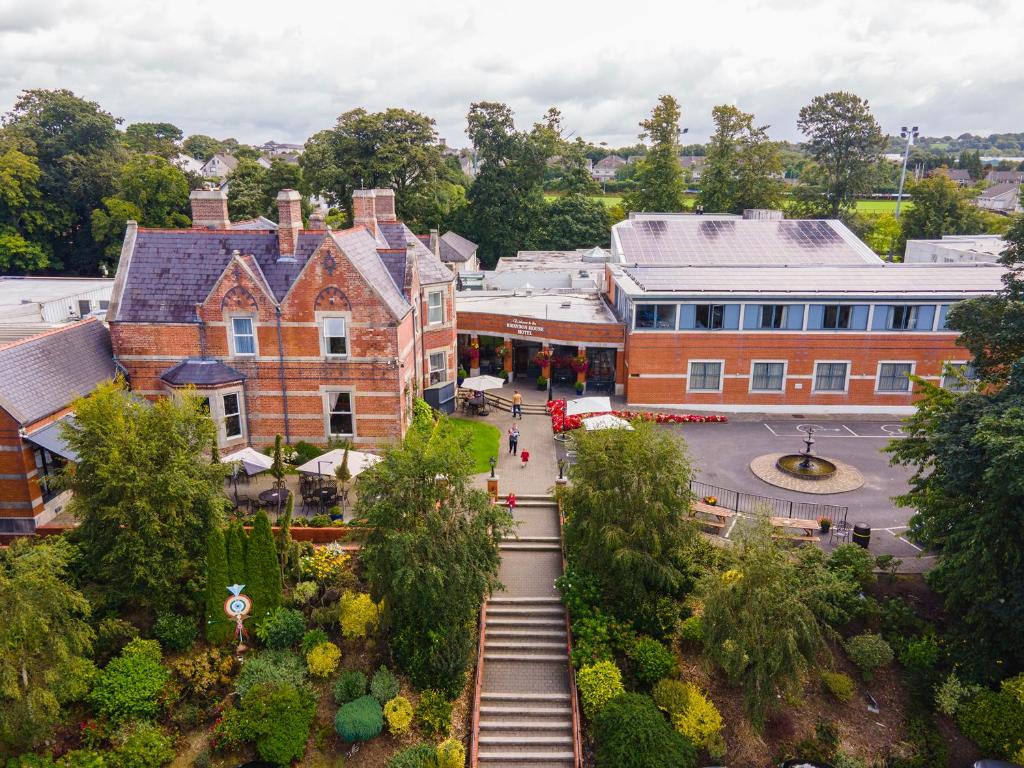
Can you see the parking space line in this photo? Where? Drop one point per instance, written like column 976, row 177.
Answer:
column 850, row 431
column 892, row 532
column 768, row 427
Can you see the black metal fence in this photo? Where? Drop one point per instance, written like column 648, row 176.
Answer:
column 752, row 504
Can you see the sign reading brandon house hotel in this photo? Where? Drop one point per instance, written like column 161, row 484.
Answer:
column 524, row 327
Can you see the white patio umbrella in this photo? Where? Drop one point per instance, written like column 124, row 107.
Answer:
column 252, row 461
column 328, row 462
column 482, row 383
column 606, row 421
column 588, row 405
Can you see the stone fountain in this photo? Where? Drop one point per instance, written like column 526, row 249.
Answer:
column 805, row 465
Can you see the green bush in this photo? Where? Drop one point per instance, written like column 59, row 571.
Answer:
column 73, row 679
column 598, row 684
column 311, row 639
column 853, row 562
column 319, row 521
column 700, row 721
column 592, row 638
column 920, row 654
column 358, row 615
column 175, row 631
column 83, row 758
column 129, row 686
column 451, row 754
column 994, row 721
column 384, row 685
column 141, row 745
column 420, row 756
column 303, row 452
column 434, row 713
column 359, row 720
column 952, row 692
column 283, row 628
column 632, row 733
column 691, row 629
column 304, row 591
column 323, row 659
column 839, row 685
column 671, row 695
column 652, row 660
column 398, row 714
column 869, row 652
column 923, row 746
column 271, row 667
column 350, row 685
column 278, row 717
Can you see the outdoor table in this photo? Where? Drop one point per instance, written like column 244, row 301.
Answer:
column 274, row 497
column 807, row 526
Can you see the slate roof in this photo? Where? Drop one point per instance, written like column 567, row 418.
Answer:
column 398, row 235
column 997, row 190
column 361, row 249
column 201, row 373
column 43, row 374
column 454, row 247
column 1003, row 177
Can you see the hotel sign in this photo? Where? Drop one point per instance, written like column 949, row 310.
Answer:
column 524, row 327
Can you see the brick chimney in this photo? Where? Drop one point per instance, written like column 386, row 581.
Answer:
column 289, row 220
column 384, row 204
column 317, row 221
column 364, row 210
column 435, row 243
column 209, row 209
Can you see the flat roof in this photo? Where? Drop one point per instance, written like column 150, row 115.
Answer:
column 904, row 280
column 553, row 260
column 564, row 307
column 19, row 290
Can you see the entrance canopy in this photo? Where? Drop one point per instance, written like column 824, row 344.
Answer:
column 328, row 462
column 252, row 461
column 606, row 421
column 50, row 438
column 588, row 405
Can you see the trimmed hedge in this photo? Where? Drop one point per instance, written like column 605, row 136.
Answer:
column 359, row 720
column 632, row 733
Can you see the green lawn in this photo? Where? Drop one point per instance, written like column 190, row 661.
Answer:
column 608, row 200
column 882, row 206
column 483, row 442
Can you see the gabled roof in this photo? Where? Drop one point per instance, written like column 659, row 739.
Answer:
column 998, row 190
column 361, row 249
column 226, row 160
column 1000, row 177
column 201, row 373
column 454, row 247
column 44, row 374
column 397, row 235
column 612, row 161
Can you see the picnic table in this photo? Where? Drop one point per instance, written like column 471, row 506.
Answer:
column 721, row 515
column 784, row 523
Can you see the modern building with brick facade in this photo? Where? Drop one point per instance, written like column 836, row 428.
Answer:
column 300, row 331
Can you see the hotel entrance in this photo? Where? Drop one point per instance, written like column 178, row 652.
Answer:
column 600, row 370
column 523, row 353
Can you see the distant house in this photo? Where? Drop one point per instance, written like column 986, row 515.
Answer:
column 274, row 148
column 1001, row 198
column 1005, row 177
column 694, row 164
column 219, row 166
column 187, row 163
column 959, row 176
column 455, row 251
column 605, row 169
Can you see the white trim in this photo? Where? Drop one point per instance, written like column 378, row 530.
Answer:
column 441, row 293
column 231, row 335
column 942, row 376
column 327, row 393
column 721, row 376
column 781, row 391
column 878, row 374
column 321, row 321
column 222, row 416
column 846, row 383
column 809, row 409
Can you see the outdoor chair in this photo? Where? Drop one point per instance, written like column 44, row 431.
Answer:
column 840, row 531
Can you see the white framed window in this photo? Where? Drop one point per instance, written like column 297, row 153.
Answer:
column 231, row 410
column 705, row 376
column 893, row 377
column 902, row 317
column 438, row 368
column 831, row 376
column 768, row 376
column 335, row 337
column 243, row 337
column 435, row 307
column 340, row 416
column 958, row 376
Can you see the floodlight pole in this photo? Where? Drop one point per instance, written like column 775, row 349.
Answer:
column 908, row 134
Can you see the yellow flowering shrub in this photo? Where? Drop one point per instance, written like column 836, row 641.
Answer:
column 398, row 713
column 323, row 659
column 325, row 564
column 731, row 576
column 359, row 615
column 699, row 721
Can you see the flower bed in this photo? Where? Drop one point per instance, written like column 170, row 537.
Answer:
column 562, row 423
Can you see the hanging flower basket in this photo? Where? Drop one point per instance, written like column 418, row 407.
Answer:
column 580, row 364
column 542, row 359
column 503, row 350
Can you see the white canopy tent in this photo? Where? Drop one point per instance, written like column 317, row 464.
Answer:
column 482, row 383
column 252, row 461
column 328, row 462
column 588, row 405
column 606, row 421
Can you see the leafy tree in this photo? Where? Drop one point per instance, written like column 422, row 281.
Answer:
column 43, row 633
column 845, row 142
column 144, row 493
column 743, row 168
column 236, row 546
column 758, row 626
column 262, row 568
column 201, row 147
column 971, row 162
column 432, row 554
column 659, row 178
column 153, row 139
column 969, row 495
column 940, row 208
column 884, row 235
column 24, row 221
column 627, row 523
column 572, row 221
column 247, row 192
column 574, row 175
column 218, row 628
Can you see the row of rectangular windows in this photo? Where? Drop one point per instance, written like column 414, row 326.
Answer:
column 789, row 317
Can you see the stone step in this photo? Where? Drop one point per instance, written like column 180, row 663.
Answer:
column 529, row 710
column 508, row 621
column 523, row 600
column 544, row 498
column 535, row 539
column 530, row 546
column 526, row 645
column 525, row 610
column 524, row 696
column 536, row 758
column 552, row 740
column 561, row 724
column 537, row 634
column 525, row 657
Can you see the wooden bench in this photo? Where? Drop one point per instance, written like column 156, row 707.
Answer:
column 794, row 537
column 783, row 523
column 720, row 514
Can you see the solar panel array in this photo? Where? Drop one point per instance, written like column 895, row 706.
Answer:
column 698, row 241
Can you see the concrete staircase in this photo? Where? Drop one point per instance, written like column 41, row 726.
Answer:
column 503, row 403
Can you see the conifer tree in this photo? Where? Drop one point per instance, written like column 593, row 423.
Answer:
column 217, row 627
column 262, row 568
column 236, row 546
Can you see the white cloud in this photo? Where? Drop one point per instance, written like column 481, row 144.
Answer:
column 260, row 70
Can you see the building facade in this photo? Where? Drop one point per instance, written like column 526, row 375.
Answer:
column 309, row 333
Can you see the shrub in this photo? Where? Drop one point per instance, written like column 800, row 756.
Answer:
column 952, row 692
column 283, row 628
column 278, row 717
column 323, row 659
column 350, row 685
column 692, row 629
column 994, row 721
column 73, row 679
column 670, row 695
column 175, row 632
column 325, row 564
column 304, row 591
column 451, row 754
column 83, row 758
column 398, row 713
column 434, row 713
column 128, row 687
column 141, row 745
column 319, row 521
column 839, row 685
column 420, row 756
column 303, row 452
column 869, row 652
column 598, row 684
column 200, row 674
column 631, row 733
column 700, row 721
column 271, row 667
column 652, row 659
column 311, row 639
column 229, row 731
column 592, row 639
column 920, row 654
column 359, row 720
column 384, row 685
column 1015, row 687
column 111, row 637
column 853, row 562
column 359, row 615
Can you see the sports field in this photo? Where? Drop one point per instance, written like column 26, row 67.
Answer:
column 863, row 206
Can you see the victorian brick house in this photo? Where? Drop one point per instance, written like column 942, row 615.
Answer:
column 304, row 332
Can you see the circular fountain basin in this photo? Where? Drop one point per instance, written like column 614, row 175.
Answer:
column 805, row 467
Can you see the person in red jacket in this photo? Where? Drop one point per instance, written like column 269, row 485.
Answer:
column 525, row 455
column 510, row 500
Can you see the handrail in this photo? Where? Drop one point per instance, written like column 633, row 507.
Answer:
column 577, row 738
column 478, row 687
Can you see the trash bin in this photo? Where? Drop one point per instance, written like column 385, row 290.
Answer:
column 862, row 534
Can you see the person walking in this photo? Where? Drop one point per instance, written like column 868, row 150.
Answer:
column 510, row 500
column 513, row 439
column 525, row 456
column 517, row 405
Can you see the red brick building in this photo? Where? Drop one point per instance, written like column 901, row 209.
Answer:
column 304, row 332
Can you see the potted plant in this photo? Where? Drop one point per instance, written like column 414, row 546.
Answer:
column 580, row 386
column 503, row 374
column 542, row 382
column 461, row 375
column 710, row 501
column 824, row 523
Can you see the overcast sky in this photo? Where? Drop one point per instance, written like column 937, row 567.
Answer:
column 283, row 70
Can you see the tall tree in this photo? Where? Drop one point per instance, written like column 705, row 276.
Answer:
column 201, row 147
column 262, row 568
column 844, row 140
column 236, row 546
column 432, row 553
column 743, row 168
column 247, row 191
column 153, row 139
column 218, row 630
column 940, row 208
column 971, row 162
column 659, row 177
column 571, row 221
column 145, row 495
column 24, row 219
column 44, row 637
